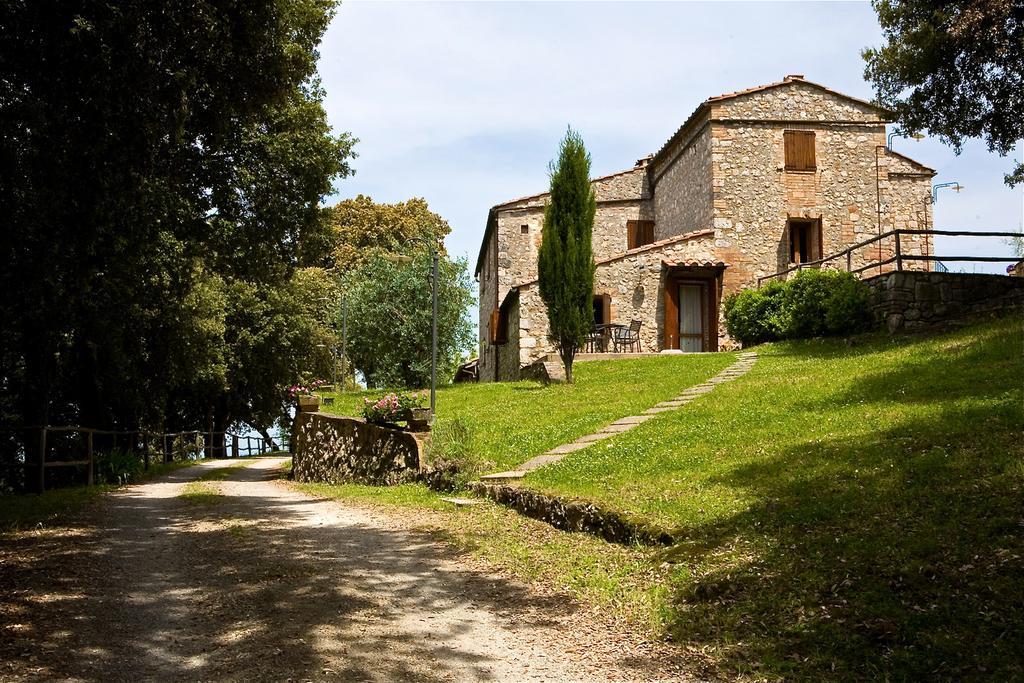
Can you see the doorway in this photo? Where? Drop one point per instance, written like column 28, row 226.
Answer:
column 691, row 309
column 692, row 306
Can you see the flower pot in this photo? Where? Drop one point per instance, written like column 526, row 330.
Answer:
column 309, row 404
column 419, row 419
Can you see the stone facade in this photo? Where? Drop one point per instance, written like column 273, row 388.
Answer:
column 334, row 449
column 722, row 201
column 919, row 300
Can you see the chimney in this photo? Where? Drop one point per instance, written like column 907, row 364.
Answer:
column 794, row 77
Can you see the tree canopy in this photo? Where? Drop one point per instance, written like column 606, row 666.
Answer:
column 954, row 68
column 360, row 229
column 162, row 163
column 389, row 319
column 566, row 260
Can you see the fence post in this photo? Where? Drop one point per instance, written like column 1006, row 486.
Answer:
column 89, row 450
column 899, row 254
column 42, row 458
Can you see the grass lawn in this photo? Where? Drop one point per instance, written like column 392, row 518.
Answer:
column 512, row 422
column 845, row 511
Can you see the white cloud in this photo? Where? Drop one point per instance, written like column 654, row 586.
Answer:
column 464, row 103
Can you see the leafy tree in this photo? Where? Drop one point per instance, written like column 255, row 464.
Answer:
column 360, row 228
column 389, row 319
column 566, row 260
column 155, row 156
column 954, row 68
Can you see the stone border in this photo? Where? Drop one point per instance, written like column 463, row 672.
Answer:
column 575, row 516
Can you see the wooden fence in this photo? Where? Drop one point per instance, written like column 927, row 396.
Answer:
column 164, row 445
column 845, row 257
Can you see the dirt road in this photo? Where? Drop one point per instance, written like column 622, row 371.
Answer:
column 266, row 583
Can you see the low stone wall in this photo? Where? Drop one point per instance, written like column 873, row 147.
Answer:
column 334, row 449
column 574, row 516
column 918, row 300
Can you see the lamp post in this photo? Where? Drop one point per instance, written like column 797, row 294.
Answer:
column 935, row 189
column 894, row 134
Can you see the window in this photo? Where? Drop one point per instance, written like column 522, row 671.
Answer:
column 799, row 150
column 804, row 240
column 639, row 233
column 524, row 229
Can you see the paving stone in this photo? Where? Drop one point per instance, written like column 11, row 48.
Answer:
column 541, row 460
column 615, row 429
column 632, row 419
column 597, row 436
column 655, row 411
column 511, row 474
column 462, row 502
column 566, row 448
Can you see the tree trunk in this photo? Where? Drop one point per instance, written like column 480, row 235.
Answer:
column 567, row 359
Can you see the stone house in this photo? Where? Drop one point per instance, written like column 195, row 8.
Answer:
column 751, row 183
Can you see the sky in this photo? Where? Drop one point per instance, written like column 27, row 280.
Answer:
column 464, row 103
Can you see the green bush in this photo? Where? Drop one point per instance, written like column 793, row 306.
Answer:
column 117, row 466
column 451, row 463
column 814, row 303
column 848, row 309
column 804, row 304
column 751, row 316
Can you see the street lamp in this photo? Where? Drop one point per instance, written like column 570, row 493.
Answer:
column 935, row 189
column 401, row 258
column 888, row 140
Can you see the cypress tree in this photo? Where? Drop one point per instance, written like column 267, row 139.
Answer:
column 566, row 260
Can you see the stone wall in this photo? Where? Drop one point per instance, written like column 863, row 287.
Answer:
column 683, row 191
column 633, row 280
column 796, row 100
column 334, row 449
column 508, row 353
column 919, row 301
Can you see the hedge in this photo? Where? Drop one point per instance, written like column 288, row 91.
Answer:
column 814, row 303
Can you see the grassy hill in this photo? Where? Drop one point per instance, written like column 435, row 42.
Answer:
column 845, row 510
column 511, row 422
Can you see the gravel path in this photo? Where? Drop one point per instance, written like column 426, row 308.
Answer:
column 266, row 583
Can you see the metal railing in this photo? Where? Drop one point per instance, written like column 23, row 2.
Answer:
column 898, row 256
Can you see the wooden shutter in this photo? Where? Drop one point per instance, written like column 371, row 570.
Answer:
column 816, row 251
column 646, row 231
column 639, row 233
column 799, row 150
column 631, row 234
column 495, row 327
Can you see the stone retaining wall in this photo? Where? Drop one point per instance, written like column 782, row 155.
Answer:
column 918, row 301
column 574, row 516
column 333, row 449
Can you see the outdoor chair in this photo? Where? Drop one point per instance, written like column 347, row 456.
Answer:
column 595, row 340
column 627, row 337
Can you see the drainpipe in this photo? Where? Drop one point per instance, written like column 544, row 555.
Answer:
column 878, row 202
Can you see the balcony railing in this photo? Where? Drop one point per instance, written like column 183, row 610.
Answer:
column 846, row 256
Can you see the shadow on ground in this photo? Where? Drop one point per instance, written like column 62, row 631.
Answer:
column 252, row 588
